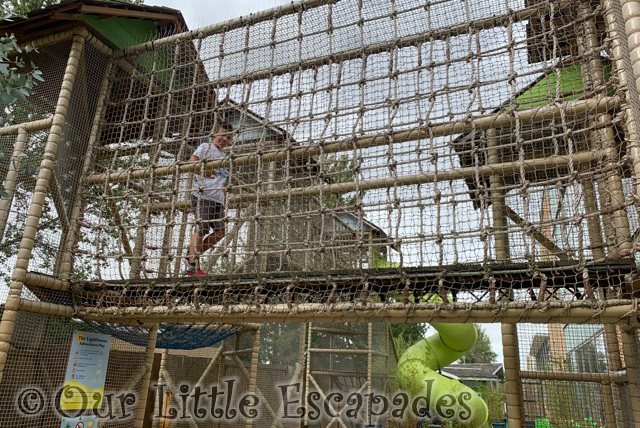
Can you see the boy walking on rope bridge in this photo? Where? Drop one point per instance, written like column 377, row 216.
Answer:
column 208, row 199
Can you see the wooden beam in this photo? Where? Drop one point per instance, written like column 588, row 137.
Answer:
column 100, row 10
column 58, row 202
column 533, row 115
column 64, row 16
column 611, row 312
column 536, row 234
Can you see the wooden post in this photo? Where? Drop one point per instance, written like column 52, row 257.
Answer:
column 369, row 371
column 144, row 390
column 513, row 386
column 631, row 17
column 10, row 178
column 253, row 371
column 307, row 376
column 66, row 261
column 609, row 407
column 631, row 351
column 616, row 224
column 7, row 324
column 496, row 182
column 615, row 365
column 626, row 54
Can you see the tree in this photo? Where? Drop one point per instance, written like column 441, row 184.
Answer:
column 406, row 334
column 22, row 7
column 481, row 352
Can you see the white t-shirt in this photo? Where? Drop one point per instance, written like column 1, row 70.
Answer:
column 210, row 188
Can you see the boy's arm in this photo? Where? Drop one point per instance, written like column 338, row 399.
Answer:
column 210, row 174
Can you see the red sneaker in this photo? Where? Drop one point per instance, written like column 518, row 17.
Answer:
column 194, row 272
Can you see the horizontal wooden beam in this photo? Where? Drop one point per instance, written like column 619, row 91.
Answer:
column 33, row 279
column 100, row 10
column 406, row 180
column 36, row 125
column 498, row 120
column 609, row 312
column 574, row 377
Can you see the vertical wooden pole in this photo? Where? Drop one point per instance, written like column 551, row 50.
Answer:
column 253, row 371
column 631, row 349
column 7, row 324
column 10, row 178
column 513, row 386
column 307, row 378
column 501, row 236
column 593, row 222
column 369, row 371
column 615, row 365
column 626, row 73
column 610, row 188
column 159, row 406
column 144, row 389
column 183, row 227
column 609, row 408
column 78, row 202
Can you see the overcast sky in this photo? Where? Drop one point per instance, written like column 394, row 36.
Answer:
column 199, row 13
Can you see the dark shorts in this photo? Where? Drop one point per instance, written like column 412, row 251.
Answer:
column 209, row 215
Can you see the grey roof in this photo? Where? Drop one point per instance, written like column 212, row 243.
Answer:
column 477, row 371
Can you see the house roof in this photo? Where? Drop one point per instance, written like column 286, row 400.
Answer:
column 118, row 24
column 564, row 83
column 538, row 341
column 475, row 371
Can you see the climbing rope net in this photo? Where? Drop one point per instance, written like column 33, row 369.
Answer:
column 381, row 153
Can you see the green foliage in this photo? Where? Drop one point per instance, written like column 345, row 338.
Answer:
column 495, row 399
column 17, row 78
column 22, row 7
column 482, row 352
column 339, row 169
column 585, row 423
column 405, row 335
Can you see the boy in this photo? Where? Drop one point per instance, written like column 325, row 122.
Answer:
column 208, row 199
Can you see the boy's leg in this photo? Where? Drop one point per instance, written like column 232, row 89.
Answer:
column 211, row 240
column 195, row 248
column 195, row 244
column 210, row 215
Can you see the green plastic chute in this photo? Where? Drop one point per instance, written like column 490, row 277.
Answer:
column 417, row 374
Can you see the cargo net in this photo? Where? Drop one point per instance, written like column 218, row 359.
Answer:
column 381, row 152
column 575, row 375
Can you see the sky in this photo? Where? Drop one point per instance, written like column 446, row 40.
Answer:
column 200, row 13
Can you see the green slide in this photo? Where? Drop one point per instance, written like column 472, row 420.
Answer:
column 448, row 398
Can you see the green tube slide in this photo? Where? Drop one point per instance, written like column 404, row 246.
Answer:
column 447, row 398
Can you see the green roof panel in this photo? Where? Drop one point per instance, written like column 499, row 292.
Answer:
column 545, row 89
column 122, row 32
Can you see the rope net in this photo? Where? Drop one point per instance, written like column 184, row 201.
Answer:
column 346, row 161
column 373, row 152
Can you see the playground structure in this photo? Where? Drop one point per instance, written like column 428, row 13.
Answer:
column 384, row 153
